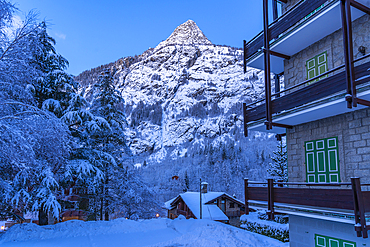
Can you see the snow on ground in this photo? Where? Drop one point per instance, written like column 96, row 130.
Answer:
column 253, row 218
column 121, row 232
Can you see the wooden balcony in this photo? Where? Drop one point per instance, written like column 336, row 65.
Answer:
column 336, row 91
column 303, row 25
column 343, row 199
column 182, row 212
column 301, row 103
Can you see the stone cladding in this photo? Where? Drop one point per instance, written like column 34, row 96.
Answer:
column 353, row 132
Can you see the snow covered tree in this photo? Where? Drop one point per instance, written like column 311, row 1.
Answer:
column 54, row 88
column 131, row 198
column 34, row 144
column 278, row 169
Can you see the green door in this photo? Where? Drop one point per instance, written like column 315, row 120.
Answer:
column 322, row 162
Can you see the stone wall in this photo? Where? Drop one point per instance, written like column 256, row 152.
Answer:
column 295, row 67
column 302, row 231
column 352, row 130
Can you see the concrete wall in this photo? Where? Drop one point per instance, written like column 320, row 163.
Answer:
column 295, row 67
column 352, row 130
column 302, row 231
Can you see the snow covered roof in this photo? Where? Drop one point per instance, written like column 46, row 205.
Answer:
column 212, row 212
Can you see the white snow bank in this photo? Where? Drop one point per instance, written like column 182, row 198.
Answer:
column 120, row 232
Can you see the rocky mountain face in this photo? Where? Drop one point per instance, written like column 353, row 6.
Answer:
column 183, row 96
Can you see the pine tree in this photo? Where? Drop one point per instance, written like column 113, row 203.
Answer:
column 279, row 168
column 34, row 144
column 54, row 88
column 187, row 182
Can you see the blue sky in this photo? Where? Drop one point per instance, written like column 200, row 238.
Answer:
column 95, row 32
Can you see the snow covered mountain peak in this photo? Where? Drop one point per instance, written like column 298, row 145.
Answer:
column 187, row 33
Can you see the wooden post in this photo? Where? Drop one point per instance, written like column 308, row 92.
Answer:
column 246, row 198
column 275, row 10
column 266, row 51
column 245, row 118
column 359, row 209
column 345, row 46
column 200, row 193
column 348, row 52
column 245, row 56
column 270, row 187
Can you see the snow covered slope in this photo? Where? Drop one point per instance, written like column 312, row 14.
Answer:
column 186, row 90
column 121, row 232
column 187, row 33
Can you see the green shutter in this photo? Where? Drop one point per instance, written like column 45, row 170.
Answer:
column 322, row 162
column 311, row 68
column 325, row 241
column 317, row 66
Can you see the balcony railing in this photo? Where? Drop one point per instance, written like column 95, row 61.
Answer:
column 308, row 91
column 182, row 212
column 331, row 198
column 301, row 10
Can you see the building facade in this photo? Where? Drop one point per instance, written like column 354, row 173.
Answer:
column 321, row 47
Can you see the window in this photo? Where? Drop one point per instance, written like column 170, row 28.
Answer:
column 223, row 205
column 317, row 66
column 322, row 163
column 232, row 205
column 321, row 241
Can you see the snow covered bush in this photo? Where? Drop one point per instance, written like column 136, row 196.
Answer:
column 254, row 223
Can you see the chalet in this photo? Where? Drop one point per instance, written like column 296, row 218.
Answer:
column 321, row 47
column 217, row 206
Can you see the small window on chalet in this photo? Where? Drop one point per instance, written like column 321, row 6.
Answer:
column 316, row 66
column 322, row 162
column 232, row 205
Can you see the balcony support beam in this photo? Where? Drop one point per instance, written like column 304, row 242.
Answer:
column 275, row 10
column 363, row 102
column 267, row 64
column 360, row 6
column 280, row 125
column 348, row 52
column 246, row 197
column 359, row 209
column 276, row 54
column 270, row 194
column 245, row 56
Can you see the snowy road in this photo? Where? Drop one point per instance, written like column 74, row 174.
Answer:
column 127, row 233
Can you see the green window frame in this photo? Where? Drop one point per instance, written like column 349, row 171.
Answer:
column 317, row 65
column 325, row 241
column 322, row 161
